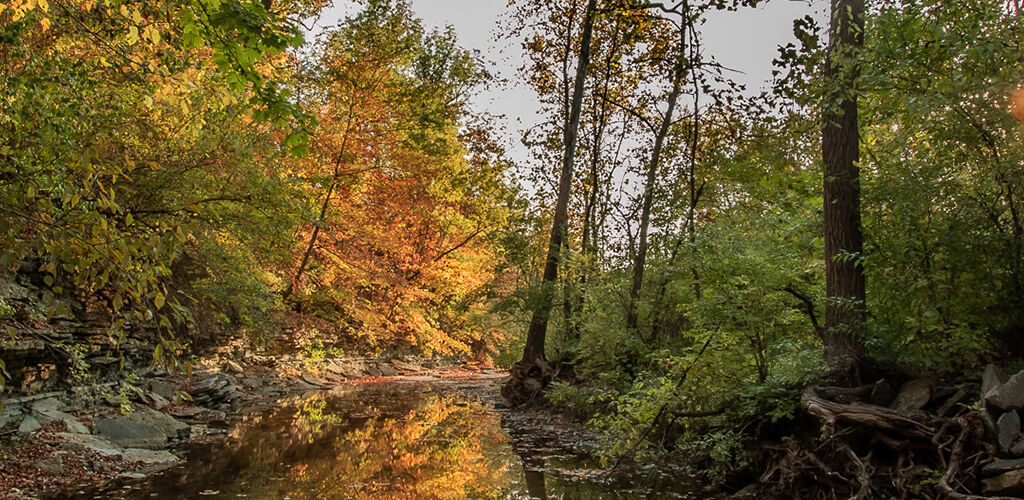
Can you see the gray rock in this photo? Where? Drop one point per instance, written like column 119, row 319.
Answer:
column 1008, row 483
column 1008, row 430
column 1017, row 449
column 131, row 475
column 69, row 421
column 11, row 290
column 157, row 401
column 148, row 456
column 387, row 370
column 913, row 395
column 171, row 428
column 52, row 464
column 1001, row 466
column 163, row 389
column 1008, row 396
column 78, row 442
column 128, row 433
column 47, row 405
column 992, row 377
column 373, row 371
column 29, row 425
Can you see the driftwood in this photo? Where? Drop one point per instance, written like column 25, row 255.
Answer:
column 865, row 415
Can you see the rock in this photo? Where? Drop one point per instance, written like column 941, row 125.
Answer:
column 157, row 401
column 992, row 377
column 163, row 389
column 214, row 390
column 171, row 428
column 46, row 405
column 234, row 367
column 1008, row 396
column 1017, row 449
column 29, row 425
column 1008, row 483
column 387, row 370
column 12, row 290
column 72, row 424
column 913, row 395
column 188, row 412
column 1007, row 430
column 148, row 456
column 406, row 366
column 1001, row 466
column 128, row 433
column 883, row 394
column 131, row 475
column 311, row 379
column 373, row 371
column 78, row 442
column 53, row 464
column 952, row 401
column 751, row 492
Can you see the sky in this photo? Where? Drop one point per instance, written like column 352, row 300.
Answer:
column 746, row 41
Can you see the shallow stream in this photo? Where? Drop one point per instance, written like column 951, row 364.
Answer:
column 395, row 439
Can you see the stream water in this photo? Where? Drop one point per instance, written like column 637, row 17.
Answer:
column 394, row 439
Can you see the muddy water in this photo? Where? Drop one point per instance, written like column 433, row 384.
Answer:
column 394, row 440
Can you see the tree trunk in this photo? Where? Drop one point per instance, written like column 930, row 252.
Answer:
column 844, row 276
column 645, row 212
column 532, row 373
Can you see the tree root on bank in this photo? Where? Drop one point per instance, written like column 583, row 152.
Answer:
column 869, row 451
column 528, row 380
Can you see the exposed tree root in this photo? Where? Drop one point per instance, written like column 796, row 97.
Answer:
column 869, row 451
column 529, row 378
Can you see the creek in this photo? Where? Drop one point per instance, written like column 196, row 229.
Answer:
column 396, row 439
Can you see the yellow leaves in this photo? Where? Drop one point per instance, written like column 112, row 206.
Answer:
column 18, row 9
column 133, row 34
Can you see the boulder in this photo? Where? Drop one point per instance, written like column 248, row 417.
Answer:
column 53, row 464
column 124, row 432
column 1017, row 449
column 72, row 423
column 171, row 428
column 1001, row 466
column 1008, row 430
column 150, row 457
column 406, row 366
column 992, row 377
column 373, row 371
column 1008, row 396
column 78, row 442
column 913, row 395
column 1007, row 483
column 29, row 425
column 163, row 389
column 47, row 405
column 387, row 370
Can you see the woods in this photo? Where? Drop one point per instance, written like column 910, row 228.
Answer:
column 689, row 266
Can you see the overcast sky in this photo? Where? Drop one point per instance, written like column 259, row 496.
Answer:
column 745, row 40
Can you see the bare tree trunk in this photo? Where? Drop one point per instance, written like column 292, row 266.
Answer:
column 532, row 373
column 645, row 212
column 844, row 276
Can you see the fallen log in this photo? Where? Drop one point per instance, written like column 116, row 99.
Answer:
column 867, row 415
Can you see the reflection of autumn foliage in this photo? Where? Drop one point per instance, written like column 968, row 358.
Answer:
column 440, row 448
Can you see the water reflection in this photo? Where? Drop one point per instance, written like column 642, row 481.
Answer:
column 389, row 440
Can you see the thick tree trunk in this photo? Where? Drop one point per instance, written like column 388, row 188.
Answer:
column 532, row 373
column 844, row 276
column 645, row 212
